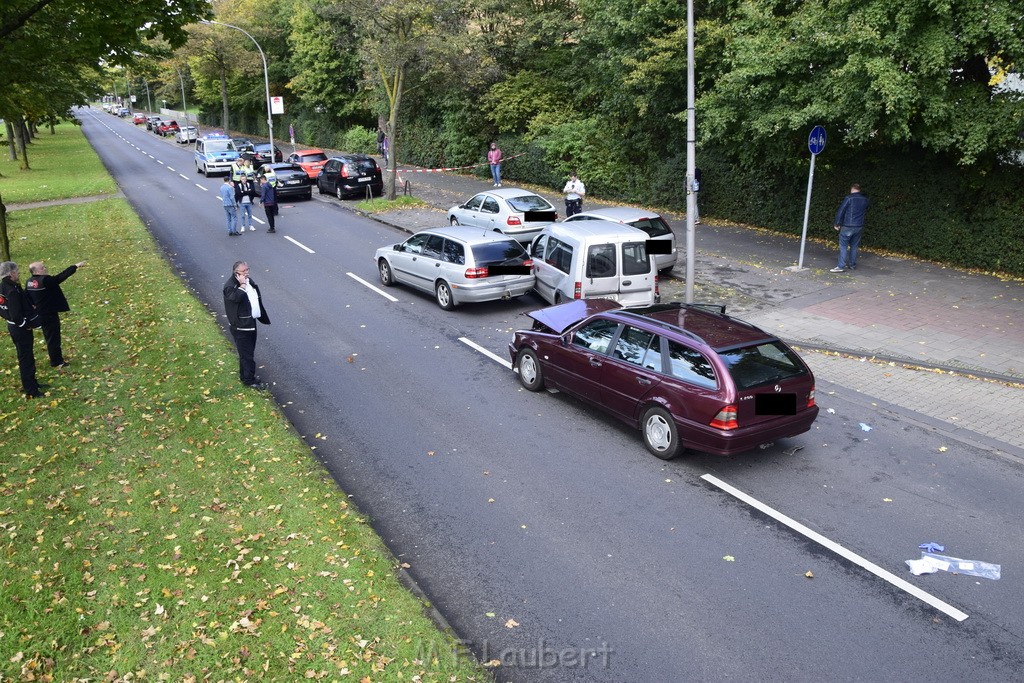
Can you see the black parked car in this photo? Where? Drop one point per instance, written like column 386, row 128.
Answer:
column 349, row 176
column 259, row 154
column 289, row 180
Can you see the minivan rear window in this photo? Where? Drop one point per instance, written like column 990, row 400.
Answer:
column 751, row 366
column 634, row 259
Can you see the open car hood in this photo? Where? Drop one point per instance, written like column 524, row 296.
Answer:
column 563, row 316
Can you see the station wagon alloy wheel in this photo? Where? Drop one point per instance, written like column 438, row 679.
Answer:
column 385, row 273
column 444, row 296
column 660, row 435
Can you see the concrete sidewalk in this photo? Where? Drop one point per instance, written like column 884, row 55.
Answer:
column 945, row 343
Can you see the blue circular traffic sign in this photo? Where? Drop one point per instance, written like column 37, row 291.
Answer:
column 816, row 140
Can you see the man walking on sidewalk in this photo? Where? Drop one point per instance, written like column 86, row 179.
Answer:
column 849, row 224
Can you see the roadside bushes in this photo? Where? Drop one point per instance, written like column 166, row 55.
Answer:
column 357, row 139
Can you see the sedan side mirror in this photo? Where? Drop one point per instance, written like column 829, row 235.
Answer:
column 397, row 247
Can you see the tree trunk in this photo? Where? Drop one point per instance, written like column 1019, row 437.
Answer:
column 5, row 242
column 392, row 134
column 22, row 135
column 11, row 143
column 224, row 98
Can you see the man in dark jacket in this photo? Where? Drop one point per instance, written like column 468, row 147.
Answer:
column 244, row 306
column 44, row 291
column 268, row 197
column 16, row 308
column 849, row 224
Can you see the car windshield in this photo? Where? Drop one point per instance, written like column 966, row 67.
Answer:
column 219, row 146
column 529, row 202
column 311, row 158
column 762, row 363
column 506, row 252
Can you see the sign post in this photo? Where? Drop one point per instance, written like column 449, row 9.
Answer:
column 815, row 143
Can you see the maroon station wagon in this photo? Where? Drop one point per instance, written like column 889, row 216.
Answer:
column 686, row 375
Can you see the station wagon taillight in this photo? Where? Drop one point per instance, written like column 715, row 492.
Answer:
column 473, row 273
column 725, row 419
column 529, row 264
column 513, row 220
column 810, row 398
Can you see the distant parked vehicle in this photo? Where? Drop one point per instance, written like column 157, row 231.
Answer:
column 260, row 154
column 165, row 128
column 349, row 176
column 312, row 160
column 186, row 135
column 139, row 118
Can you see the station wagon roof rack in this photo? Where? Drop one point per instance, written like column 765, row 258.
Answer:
column 643, row 311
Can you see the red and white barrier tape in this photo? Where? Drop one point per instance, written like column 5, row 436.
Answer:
column 451, row 168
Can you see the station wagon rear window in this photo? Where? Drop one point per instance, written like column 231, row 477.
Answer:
column 508, row 252
column 751, row 366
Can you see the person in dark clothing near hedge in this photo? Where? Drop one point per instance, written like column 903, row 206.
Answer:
column 849, row 224
column 45, row 292
column 16, row 308
column 244, row 306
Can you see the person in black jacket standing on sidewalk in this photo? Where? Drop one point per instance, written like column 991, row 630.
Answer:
column 244, row 306
column 16, row 308
column 268, row 197
column 45, row 292
column 849, row 224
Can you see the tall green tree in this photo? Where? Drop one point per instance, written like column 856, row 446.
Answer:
column 874, row 72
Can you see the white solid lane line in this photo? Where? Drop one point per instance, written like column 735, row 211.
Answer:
column 201, row 187
column 839, row 550
column 300, row 245
column 493, row 356
column 376, row 289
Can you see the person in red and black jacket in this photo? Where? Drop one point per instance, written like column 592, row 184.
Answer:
column 16, row 308
column 45, row 292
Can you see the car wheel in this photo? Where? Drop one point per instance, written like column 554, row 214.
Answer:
column 384, row 269
column 198, row 170
column 338, row 192
column 443, row 294
column 454, row 221
column 558, row 298
column 309, row 195
column 660, row 433
column 530, row 374
column 319, row 187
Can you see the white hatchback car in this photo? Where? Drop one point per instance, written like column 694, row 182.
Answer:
column 517, row 213
column 657, row 229
column 186, row 135
column 458, row 265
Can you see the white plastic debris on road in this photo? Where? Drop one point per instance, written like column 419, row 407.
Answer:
column 931, row 563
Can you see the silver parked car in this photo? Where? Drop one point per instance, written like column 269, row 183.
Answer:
column 657, row 229
column 185, row 135
column 458, row 265
column 515, row 212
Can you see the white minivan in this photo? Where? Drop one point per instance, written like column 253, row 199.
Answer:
column 594, row 260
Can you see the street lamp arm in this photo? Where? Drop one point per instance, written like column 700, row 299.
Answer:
column 266, row 78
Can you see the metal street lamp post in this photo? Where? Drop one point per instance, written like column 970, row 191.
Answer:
column 266, row 80
column 691, row 165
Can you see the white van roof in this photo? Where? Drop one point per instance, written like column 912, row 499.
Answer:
column 601, row 229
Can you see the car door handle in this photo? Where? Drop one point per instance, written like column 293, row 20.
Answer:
column 643, row 380
column 627, row 283
column 595, row 363
column 437, row 265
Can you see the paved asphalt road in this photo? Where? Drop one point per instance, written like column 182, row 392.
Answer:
column 546, row 534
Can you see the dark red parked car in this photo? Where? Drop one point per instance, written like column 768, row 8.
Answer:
column 165, row 128
column 688, row 376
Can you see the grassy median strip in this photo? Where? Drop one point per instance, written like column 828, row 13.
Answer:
column 158, row 521
column 61, row 165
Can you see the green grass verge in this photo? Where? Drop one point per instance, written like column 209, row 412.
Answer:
column 158, row 521
column 381, row 205
column 61, row 165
